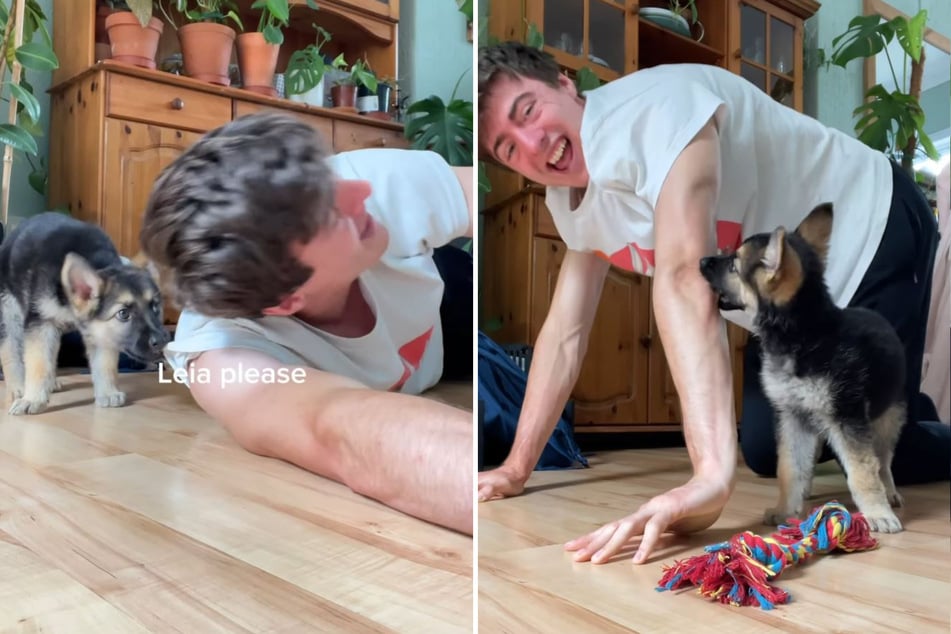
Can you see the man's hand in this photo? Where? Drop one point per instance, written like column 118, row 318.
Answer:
column 503, row 482
column 686, row 509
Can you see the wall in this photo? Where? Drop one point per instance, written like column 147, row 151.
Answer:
column 433, row 41
column 24, row 200
column 832, row 94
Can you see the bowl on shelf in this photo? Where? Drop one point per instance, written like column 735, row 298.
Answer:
column 667, row 19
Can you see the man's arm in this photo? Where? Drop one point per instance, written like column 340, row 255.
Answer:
column 408, row 452
column 695, row 344
column 556, row 362
column 465, row 176
column 688, row 319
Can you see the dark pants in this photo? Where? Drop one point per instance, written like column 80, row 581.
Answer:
column 897, row 285
column 455, row 267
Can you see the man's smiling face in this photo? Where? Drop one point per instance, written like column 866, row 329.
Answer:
column 534, row 129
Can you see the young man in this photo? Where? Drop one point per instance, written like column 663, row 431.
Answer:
column 318, row 271
column 653, row 171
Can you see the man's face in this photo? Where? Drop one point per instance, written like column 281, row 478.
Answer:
column 535, row 130
column 349, row 244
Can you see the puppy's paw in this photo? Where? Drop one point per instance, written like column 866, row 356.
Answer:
column 895, row 499
column 23, row 406
column 13, row 395
column 883, row 522
column 777, row 516
column 110, row 399
column 54, row 385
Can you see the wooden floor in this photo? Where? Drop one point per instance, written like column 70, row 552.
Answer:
column 528, row 583
column 149, row 518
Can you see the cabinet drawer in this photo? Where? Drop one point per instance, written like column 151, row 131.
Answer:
column 172, row 106
column 354, row 136
column 324, row 126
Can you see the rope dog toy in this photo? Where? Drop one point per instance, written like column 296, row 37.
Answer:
column 737, row 572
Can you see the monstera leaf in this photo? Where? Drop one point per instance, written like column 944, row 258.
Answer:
column 890, row 119
column 443, row 128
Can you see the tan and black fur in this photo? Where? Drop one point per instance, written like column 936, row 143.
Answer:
column 832, row 375
column 58, row 275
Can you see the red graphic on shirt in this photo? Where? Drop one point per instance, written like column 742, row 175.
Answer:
column 624, row 259
column 412, row 354
column 729, row 237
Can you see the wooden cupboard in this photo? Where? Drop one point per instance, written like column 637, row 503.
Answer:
column 625, row 382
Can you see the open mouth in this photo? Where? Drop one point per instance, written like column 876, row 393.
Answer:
column 560, row 156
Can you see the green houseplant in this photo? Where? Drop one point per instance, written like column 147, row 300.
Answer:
column 258, row 50
column 133, row 31
column 344, row 90
column 306, row 68
column 21, row 21
column 206, row 40
column 889, row 121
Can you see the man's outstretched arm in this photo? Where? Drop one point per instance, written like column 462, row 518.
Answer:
column 556, row 363
column 407, row 452
column 695, row 344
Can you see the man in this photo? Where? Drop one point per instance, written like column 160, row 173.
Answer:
column 653, row 171
column 319, row 270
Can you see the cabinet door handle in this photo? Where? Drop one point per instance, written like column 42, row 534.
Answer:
column 646, row 342
column 177, row 103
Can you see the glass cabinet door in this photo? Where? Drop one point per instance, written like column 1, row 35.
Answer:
column 767, row 53
column 581, row 33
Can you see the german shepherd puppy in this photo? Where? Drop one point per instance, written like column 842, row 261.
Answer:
column 58, row 275
column 831, row 374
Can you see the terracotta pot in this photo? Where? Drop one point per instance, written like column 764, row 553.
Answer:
column 344, row 96
column 130, row 43
column 257, row 61
column 206, row 51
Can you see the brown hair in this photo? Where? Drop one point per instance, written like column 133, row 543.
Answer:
column 222, row 218
column 513, row 60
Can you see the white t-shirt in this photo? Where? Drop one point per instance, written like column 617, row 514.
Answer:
column 417, row 197
column 776, row 166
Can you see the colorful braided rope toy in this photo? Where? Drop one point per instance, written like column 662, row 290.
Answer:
column 737, row 572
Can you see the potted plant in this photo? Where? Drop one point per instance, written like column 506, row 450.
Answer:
column 306, row 68
column 384, row 92
column 893, row 121
column 258, row 50
column 446, row 129
column 133, row 32
column 206, row 40
column 677, row 17
column 344, row 91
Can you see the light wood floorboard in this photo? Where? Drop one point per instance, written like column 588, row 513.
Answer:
column 150, row 518
column 529, row 583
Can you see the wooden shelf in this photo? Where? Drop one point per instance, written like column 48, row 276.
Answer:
column 657, row 45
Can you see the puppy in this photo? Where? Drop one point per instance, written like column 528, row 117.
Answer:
column 831, row 374
column 58, row 275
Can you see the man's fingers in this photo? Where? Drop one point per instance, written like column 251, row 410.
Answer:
column 652, row 530
column 625, row 531
column 486, row 491
column 597, row 540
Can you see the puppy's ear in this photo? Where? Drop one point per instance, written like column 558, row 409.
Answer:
column 773, row 255
column 816, row 229
column 143, row 262
column 81, row 282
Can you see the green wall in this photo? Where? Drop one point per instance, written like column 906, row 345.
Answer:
column 434, row 51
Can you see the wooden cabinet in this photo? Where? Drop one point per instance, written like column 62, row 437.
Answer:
column 625, row 382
